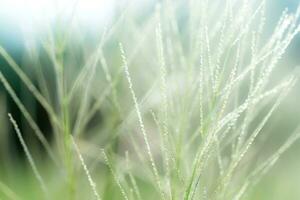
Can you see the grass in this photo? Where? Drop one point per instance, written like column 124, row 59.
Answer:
column 169, row 103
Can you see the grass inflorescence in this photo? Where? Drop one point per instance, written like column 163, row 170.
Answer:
column 167, row 104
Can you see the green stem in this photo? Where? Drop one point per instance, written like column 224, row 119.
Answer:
column 66, row 132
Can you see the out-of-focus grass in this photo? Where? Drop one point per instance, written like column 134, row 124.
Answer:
column 158, row 90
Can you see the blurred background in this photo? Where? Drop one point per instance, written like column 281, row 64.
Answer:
column 24, row 25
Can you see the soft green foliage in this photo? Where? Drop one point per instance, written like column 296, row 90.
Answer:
column 184, row 91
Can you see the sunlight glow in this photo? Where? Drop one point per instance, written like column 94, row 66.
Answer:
column 33, row 12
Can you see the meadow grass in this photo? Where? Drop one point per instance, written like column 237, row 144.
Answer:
column 183, row 91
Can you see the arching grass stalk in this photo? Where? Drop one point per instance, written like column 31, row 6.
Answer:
column 29, row 157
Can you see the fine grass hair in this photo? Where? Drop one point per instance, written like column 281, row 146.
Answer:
column 171, row 103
